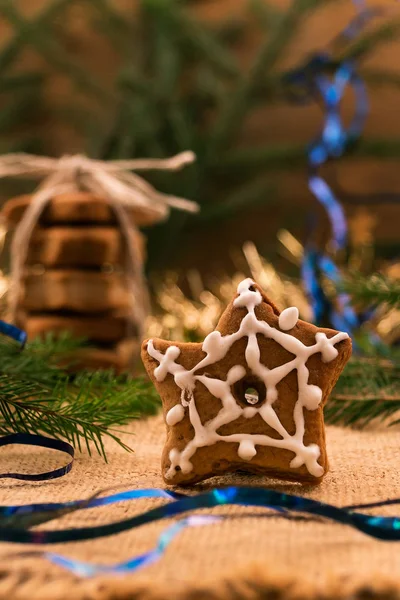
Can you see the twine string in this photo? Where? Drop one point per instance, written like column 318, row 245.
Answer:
column 116, row 183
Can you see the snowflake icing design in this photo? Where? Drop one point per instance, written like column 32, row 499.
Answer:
column 216, row 346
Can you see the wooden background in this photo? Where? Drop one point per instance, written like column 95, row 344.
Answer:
column 280, row 124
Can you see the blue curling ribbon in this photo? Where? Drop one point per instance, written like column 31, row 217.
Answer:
column 379, row 527
column 85, row 569
column 10, row 515
column 13, row 332
column 30, row 439
column 345, row 318
column 313, row 82
column 335, row 137
column 309, row 270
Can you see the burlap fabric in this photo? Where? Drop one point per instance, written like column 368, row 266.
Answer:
column 253, row 555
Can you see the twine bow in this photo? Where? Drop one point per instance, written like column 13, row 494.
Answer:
column 116, row 183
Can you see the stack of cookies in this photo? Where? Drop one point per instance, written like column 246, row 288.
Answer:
column 75, row 275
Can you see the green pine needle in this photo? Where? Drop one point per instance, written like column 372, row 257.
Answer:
column 38, row 396
column 368, row 389
column 373, row 290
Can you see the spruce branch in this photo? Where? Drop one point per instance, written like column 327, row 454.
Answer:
column 31, row 33
column 236, row 104
column 114, row 26
column 39, row 396
column 381, row 77
column 12, row 49
column 284, row 156
column 257, row 192
column 373, row 290
column 368, row 389
column 370, row 40
column 197, row 37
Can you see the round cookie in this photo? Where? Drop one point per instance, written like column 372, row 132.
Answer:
column 75, row 290
column 117, row 356
column 106, row 329
column 81, row 207
column 82, row 247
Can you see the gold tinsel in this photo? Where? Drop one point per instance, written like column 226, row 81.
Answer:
column 178, row 316
column 192, row 314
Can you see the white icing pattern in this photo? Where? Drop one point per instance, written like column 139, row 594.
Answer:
column 216, row 347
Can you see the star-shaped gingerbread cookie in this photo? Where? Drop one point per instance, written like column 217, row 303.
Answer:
column 249, row 397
